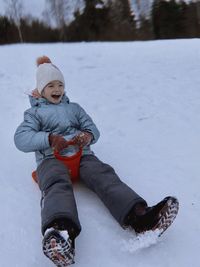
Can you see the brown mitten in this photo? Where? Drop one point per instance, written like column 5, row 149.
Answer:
column 57, row 142
column 83, row 139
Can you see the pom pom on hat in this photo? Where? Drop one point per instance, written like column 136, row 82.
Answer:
column 42, row 60
column 46, row 73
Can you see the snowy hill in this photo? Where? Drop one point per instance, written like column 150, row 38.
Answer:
column 145, row 99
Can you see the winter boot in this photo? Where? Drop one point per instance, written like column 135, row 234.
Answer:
column 58, row 247
column 160, row 216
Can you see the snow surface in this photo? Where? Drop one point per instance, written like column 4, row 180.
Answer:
column 145, row 99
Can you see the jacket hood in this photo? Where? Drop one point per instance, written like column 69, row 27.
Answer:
column 34, row 101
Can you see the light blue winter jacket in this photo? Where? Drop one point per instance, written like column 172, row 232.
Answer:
column 44, row 118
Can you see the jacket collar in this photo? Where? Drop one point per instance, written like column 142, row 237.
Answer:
column 35, row 102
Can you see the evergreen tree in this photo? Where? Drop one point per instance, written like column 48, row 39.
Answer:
column 193, row 19
column 8, row 31
column 91, row 24
column 169, row 19
column 121, row 19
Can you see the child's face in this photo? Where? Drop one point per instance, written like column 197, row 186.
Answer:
column 53, row 92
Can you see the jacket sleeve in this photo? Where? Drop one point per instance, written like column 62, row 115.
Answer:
column 28, row 137
column 87, row 124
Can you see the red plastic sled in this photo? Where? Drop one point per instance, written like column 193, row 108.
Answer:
column 72, row 163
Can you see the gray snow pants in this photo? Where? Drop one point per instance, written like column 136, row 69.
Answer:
column 58, row 200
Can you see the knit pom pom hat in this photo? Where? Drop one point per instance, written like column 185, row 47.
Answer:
column 46, row 73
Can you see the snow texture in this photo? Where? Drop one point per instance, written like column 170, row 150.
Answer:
column 140, row 241
column 145, row 99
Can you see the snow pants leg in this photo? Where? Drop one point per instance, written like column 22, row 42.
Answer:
column 102, row 179
column 58, row 200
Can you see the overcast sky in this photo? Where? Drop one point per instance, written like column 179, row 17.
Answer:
column 35, row 8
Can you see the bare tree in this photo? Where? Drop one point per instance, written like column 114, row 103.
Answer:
column 58, row 11
column 142, row 8
column 62, row 12
column 14, row 10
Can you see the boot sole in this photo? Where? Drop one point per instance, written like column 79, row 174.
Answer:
column 58, row 250
column 167, row 215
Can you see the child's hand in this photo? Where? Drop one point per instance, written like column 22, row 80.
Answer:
column 83, row 139
column 57, row 142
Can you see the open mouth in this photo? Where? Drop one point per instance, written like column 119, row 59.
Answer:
column 56, row 96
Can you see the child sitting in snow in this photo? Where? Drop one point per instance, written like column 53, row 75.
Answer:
column 51, row 120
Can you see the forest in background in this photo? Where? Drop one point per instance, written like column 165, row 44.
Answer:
column 111, row 20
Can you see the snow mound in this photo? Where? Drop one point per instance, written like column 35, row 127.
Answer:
column 140, row 241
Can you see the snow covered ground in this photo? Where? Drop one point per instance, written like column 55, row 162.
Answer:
column 145, row 99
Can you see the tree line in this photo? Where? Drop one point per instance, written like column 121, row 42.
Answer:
column 113, row 21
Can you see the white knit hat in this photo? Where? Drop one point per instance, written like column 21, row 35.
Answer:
column 46, row 73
